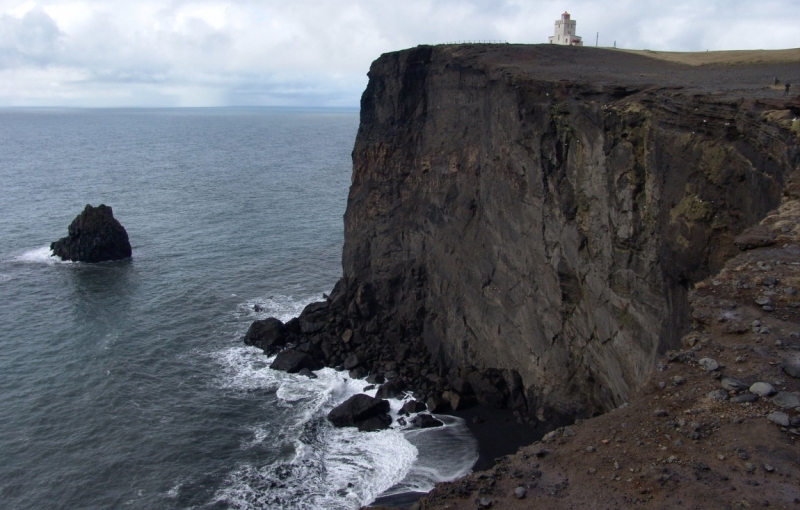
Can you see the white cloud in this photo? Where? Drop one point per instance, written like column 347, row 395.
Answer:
column 181, row 52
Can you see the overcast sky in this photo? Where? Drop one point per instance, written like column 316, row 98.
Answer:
column 316, row 52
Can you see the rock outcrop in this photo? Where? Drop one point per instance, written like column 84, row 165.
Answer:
column 362, row 411
column 524, row 223
column 94, row 236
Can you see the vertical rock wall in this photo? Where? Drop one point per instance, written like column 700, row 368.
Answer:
column 543, row 226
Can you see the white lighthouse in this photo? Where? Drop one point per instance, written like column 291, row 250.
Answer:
column 565, row 32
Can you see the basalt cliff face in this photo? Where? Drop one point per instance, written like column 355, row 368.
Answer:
column 537, row 214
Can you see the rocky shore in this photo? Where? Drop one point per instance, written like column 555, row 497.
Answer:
column 597, row 242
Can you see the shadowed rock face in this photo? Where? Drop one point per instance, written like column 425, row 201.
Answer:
column 94, row 236
column 517, row 220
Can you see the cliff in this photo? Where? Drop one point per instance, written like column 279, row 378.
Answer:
column 543, row 210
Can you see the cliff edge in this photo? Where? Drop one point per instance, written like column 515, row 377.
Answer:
column 544, row 211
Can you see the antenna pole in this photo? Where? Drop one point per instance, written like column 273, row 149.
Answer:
column 597, row 40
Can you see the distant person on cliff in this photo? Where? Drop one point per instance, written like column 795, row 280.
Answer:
column 777, row 81
column 788, row 86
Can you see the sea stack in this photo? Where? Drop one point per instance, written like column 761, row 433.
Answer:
column 94, row 236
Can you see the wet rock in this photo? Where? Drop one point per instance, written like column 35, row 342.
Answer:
column 292, row 361
column 786, row 400
column 733, row 384
column 426, row 421
column 308, row 373
column 746, row 397
column 357, row 373
column 270, row 335
column 762, row 389
column 380, row 422
column 412, row 407
column 779, row 418
column 435, row 404
column 376, row 379
column 708, row 364
column 357, row 409
column 391, row 389
column 94, row 236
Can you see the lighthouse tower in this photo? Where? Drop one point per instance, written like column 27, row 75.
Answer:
column 565, row 32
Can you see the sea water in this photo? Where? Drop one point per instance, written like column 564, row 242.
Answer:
column 126, row 384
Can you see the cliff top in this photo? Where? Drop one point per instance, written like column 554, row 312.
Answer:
column 743, row 73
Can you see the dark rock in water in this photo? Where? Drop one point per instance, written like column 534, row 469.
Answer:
column 357, row 373
column 268, row 334
column 413, row 406
column 436, row 404
column 308, row 373
column 390, row 389
column 426, row 421
column 94, row 236
column 376, row 379
column 293, row 361
column 380, row 422
column 357, row 409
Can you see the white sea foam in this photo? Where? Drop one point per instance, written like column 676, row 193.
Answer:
column 333, row 468
column 43, row 255
column 278, row 305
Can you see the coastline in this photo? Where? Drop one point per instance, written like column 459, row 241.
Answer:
column 498, row 434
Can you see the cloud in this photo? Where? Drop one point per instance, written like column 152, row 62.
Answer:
column 304, row 52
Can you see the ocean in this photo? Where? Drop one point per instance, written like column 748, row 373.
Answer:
column 126, row 384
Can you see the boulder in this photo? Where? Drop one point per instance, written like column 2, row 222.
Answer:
column 380, row 422
column 94, row 236
column 267, row 334
column 426, row 421
column 391, row 389
column 762, row 389
column 358, row 409
column 786, row 400
column 293, row 361
column 733, row 384
column 413, row 406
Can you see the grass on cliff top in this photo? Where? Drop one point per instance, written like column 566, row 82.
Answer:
column 734, row 57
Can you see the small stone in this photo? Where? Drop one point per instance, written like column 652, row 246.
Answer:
column 616, row 465
column 591, row 449
column 660, row 413
column 767, row 308
column 708, row 364
column 749, row 467
column 718, row 395
column 485, row 503
column 791, row 369
column 662, row 385
column 591, row 471
column 568, row 432
column 779, row 418
column 796, row 420
column 677, row 443
column 763, row 300
column 520, row 492
column 678, row 380
column 672, row 459
column 762, row 389
column 786, row 400
column 768, row 468
column 733, row 384
column 746, row 397
column 769, row 281
column 721, row 456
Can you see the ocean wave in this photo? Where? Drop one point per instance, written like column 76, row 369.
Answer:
column 333, row 468
column 43, row 255
column 280, row 306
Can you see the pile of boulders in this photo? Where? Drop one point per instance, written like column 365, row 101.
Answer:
column 348, row 332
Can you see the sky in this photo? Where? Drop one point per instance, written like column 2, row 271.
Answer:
column 170, row 53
